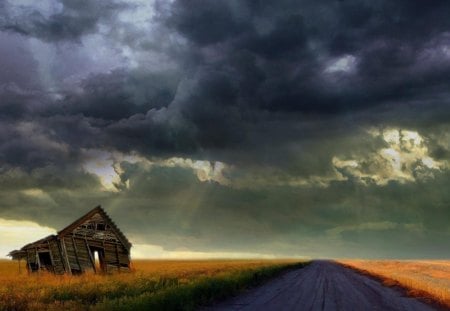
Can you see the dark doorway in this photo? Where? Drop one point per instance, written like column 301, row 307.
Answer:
column 45, row 260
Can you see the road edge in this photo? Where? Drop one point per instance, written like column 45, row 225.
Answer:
column 261, row 282
column 420, row 295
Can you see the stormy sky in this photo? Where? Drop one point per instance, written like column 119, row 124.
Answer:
column 229, row 128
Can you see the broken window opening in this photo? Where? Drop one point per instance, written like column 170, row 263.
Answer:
column 101, row 227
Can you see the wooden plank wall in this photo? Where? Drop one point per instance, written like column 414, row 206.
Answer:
column 31, row 258
column 58, row 263
column 116, row 255
column 79, row 257
column 124, row 258
column 77, row 254
column 83, row 254
column 71, row 256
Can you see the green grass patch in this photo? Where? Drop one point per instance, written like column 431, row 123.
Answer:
column 202, row 291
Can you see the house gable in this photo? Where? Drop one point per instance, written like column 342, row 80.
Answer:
column 91, row 243
column 96, row 224
column 96, row 227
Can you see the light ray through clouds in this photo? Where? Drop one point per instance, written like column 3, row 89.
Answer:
column 234, row 128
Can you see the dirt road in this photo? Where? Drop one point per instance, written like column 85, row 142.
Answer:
column 322, row 285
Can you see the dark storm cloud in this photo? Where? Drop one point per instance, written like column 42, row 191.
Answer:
column 171, row 207
column 49, row 194
column 222, row 23
column 250, row 65
column 73, row 20
column 275, row 66
column 14, row 102
column 20, row 89
column 203, row 213
column 17, row 64
column 286, row 40
column 30, row 145
column 25, row 140
column 120, row 95
column 277, row 90
column 155, row 133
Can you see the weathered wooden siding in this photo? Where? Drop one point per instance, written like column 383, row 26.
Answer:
column 124, row 257
column 78, row 254
column 73, row 255
column 79, row 257
column 58, row 264
column 116, row 256
column 31, row 259
column 84, row 255
column 111, row 257
column 72, row 249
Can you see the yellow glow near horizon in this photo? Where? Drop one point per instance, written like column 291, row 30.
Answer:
column 16, row 233
column 149, row 251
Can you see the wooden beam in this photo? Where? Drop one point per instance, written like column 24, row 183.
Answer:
column 37, row 260
column 76, row 253
column 63, row 262
column 97, row 240
column 79, row 221
column 28, row 262
column 65, row 257
column 51, row 257
column 104, row 257
column 118, row 259
column 90, row 255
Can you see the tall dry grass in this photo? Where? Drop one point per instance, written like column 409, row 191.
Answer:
column 151, row 282
column 422, row 278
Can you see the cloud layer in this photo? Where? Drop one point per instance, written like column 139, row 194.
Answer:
column 315, row 127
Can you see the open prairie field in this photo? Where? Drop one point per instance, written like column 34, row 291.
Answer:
column 422, row 278
column 159, row 284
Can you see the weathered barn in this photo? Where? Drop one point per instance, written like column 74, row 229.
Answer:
column 91, row 243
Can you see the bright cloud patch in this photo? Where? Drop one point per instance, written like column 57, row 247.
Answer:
column 107, row 166
column 405, row 159
column 205, row 170
column 16, row 233
column 101, row 163
column 345, row 63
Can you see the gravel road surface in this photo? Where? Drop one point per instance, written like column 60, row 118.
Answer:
column 322, row 285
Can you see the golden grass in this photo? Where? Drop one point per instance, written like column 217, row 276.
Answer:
column 422, row 278
column 50, row 292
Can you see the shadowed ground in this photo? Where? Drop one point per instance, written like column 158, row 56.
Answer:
column 322, row 285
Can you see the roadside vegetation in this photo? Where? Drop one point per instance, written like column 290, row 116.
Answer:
column 153, row 285
column 425, row 279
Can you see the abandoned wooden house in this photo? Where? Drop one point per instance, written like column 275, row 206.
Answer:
column 91, row 243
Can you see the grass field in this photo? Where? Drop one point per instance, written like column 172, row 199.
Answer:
column 153, row 285
column 428, row 279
